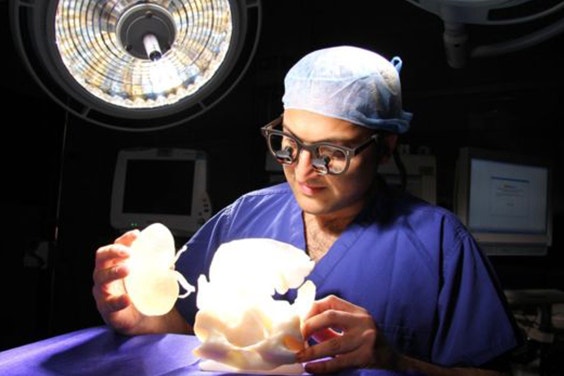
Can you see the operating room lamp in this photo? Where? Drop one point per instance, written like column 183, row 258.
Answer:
column 136, row 65
column 457, row 14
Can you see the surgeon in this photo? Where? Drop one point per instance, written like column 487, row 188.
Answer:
column 401, row 284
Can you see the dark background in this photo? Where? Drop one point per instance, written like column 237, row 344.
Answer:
column 57, row 169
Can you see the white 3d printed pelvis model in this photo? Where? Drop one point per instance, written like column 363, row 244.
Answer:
column 239, row 323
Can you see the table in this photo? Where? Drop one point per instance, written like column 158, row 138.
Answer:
column 101, row 351
column 543, row 299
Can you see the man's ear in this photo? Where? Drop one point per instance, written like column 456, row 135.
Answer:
column 389, row 144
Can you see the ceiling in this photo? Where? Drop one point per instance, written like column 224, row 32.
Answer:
column 294, row 27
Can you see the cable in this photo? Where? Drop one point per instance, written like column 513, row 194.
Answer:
column 401, row 168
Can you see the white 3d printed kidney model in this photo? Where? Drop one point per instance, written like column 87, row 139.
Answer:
column 152, row 283
column 241, row 327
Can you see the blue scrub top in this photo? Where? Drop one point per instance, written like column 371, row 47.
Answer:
column 411, row 264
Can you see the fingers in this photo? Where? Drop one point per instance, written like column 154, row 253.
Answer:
column 324, row 335
column 110, row 265
column 112, row 300
column 345, row 333
column 109, row 262
column 340, row 352
column 348, row 340
column 128, row 237
column 110, row 304
column 331, row 314
column 331, row 302
column 110, row 269
column 108, row 255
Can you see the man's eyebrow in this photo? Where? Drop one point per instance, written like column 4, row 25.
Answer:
column 339, row 142
column 328, row 140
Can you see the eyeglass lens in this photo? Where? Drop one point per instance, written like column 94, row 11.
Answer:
column 326, row 158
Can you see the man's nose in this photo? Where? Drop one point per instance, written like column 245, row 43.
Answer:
column 303, row 163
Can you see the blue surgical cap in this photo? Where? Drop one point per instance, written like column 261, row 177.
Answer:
column 349, row 83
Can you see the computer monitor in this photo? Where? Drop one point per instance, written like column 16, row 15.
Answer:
column 505, row 201
column 166, row 185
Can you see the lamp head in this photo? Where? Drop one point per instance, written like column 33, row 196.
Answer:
column 136, row 65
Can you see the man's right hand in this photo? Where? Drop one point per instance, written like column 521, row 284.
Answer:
column 112, row 300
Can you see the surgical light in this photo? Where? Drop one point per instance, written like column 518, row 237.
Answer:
column 134, row 64
column 457, row 14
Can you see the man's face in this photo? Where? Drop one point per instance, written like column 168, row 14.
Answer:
column 330, row 195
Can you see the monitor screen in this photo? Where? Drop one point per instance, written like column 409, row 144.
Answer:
column 505, row 201
column 160, row 185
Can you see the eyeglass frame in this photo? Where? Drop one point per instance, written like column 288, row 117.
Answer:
column 349, row 152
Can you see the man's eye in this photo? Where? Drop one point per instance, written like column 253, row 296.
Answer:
column 338, row 154
column 288, row 142
column 333, row 153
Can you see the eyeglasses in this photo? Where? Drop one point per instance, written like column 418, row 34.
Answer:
column 327, row 158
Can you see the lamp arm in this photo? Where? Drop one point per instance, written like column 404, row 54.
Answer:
column 519, row 43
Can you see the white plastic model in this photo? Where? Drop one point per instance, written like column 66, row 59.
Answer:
column 242, row 328
column 152, row 283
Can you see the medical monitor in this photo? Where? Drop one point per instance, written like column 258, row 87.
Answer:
column 166, row 185
column 504, row 199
